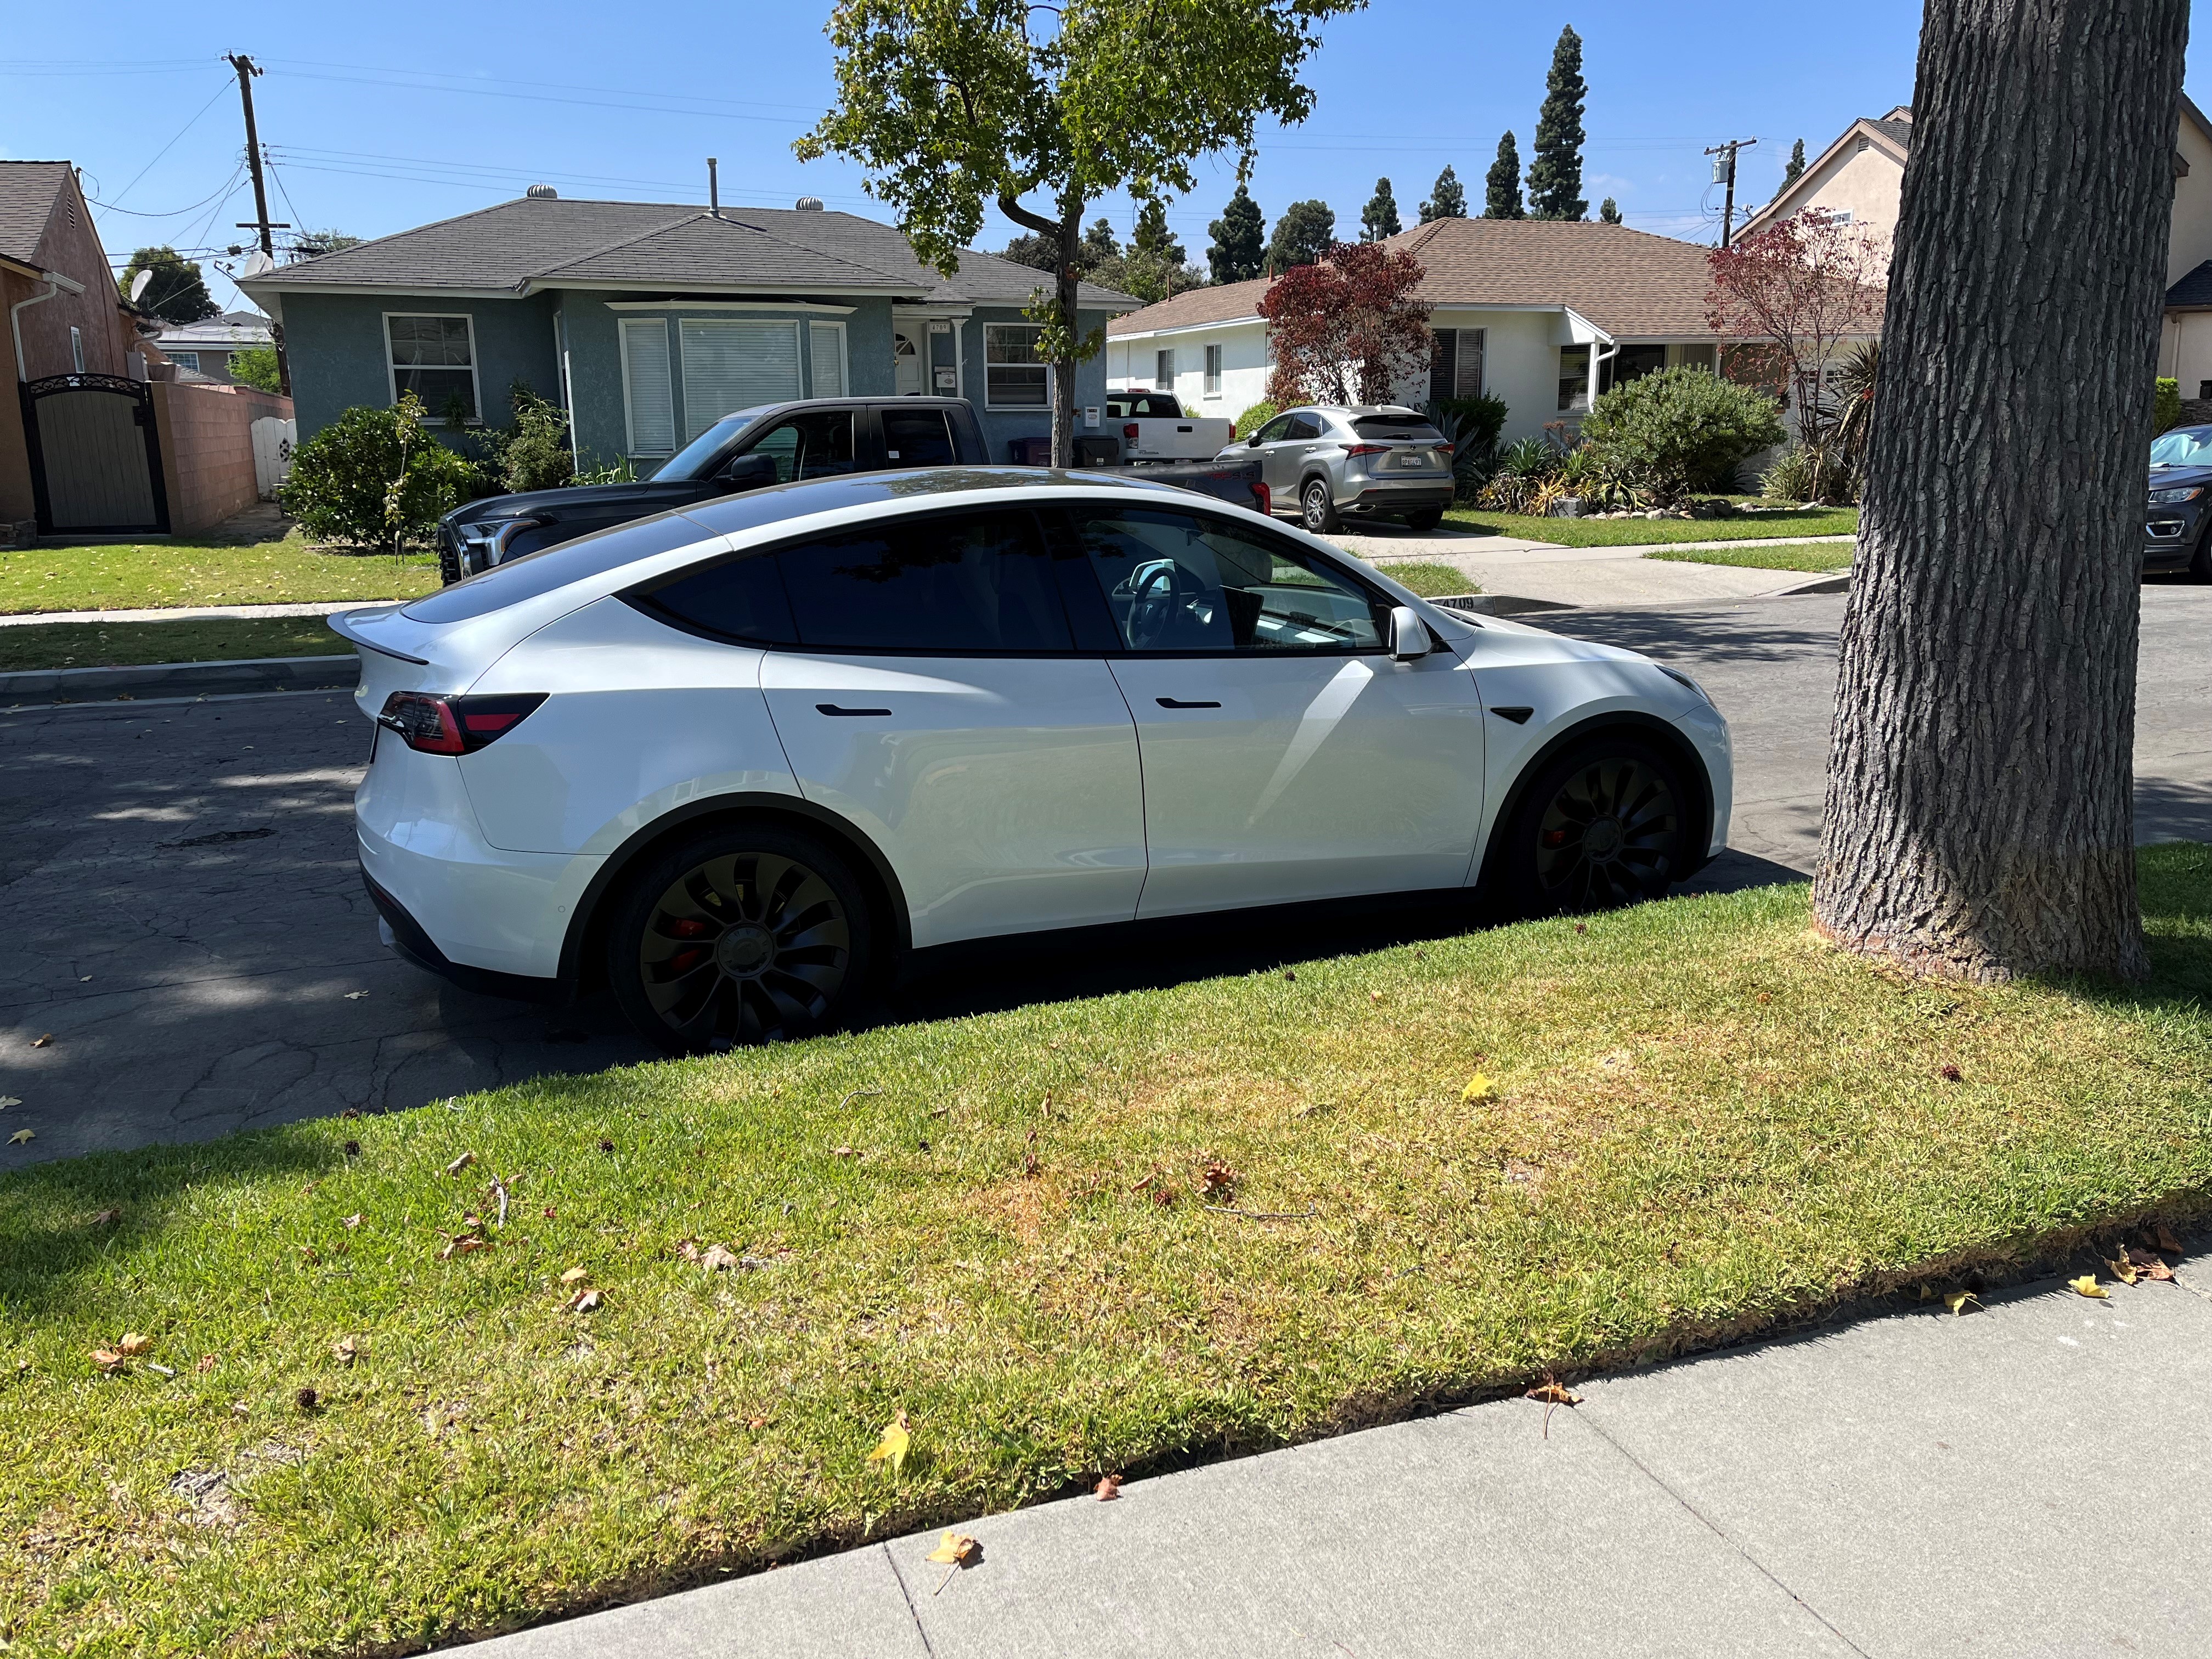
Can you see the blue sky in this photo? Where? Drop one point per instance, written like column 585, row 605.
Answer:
column 383, row 118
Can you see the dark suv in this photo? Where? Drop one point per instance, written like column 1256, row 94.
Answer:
column 775, row 443
column 2178, row 517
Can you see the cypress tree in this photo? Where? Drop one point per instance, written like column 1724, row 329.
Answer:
column 1796, row 163
column 1153, row 239
column 1302, row 235
column 1240, row 241
column 1501, row 189
column 1555, row 179
column 1448, row 200
column 1609, row 212
column 1379, row 218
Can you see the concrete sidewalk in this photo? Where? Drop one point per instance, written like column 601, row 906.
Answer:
column 2032, row 1480
column 1591, row 578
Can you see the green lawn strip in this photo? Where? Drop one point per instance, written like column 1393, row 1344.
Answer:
column 1707, row 1122
column 1430, row 581
column 1788, row 555
column 215, row 639
column 145, row 575
column 1637, row 532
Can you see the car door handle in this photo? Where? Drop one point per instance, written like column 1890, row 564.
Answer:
column 1169, row 703
column 832, row 708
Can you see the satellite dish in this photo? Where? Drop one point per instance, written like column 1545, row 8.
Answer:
column 260, row 265
column 140, row 283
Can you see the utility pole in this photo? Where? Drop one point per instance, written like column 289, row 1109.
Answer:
column 247, row 69
column 1724, row 172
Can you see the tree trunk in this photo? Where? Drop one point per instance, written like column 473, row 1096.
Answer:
column 1979, row 819
column 1063, row 368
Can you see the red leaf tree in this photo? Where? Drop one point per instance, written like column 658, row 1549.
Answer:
column 1800, row 288
column 1347, row 330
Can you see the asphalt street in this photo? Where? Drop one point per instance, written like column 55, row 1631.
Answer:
column 185, row 929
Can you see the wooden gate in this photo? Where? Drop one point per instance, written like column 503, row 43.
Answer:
column 96, row 455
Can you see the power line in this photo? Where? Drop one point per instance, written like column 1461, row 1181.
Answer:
column 171, row 145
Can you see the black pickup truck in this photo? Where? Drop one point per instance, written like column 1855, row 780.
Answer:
column 774, row 444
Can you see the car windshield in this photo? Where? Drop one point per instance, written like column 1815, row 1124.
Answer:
column 2185, row 445
column 690, row 461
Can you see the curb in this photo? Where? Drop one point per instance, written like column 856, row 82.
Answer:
column 1496, row 605
column 182, row 679
column 1838, row 584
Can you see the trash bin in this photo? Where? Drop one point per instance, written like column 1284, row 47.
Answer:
column 1099, row 452
column 1030, row 452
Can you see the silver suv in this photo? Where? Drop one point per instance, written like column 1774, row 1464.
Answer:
column 1324, row 463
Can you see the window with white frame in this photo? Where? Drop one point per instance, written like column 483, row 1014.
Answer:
column 825, row 344
column 434, row 358
column 1213, row 371
column 186, row 360
column 1455, row 369
column 648, row 394
column 1574, row 378
column 1014, row 375
column 1164, row 369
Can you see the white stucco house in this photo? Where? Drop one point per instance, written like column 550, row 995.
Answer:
column 1543, row 314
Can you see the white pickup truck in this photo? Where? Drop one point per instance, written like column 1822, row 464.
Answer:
column 1153, row 428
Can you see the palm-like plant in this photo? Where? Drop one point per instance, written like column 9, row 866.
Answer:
column 1853, row 384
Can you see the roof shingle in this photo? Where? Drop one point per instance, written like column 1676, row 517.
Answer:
column 28, row 192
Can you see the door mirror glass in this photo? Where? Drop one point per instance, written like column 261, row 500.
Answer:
column 1409, row 635
column 751, row 471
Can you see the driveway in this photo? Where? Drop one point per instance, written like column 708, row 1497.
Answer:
column 185, row 920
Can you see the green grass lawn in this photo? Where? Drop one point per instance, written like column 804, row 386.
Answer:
column 1635, row 533
column 1705, row 1121
column 1430, row 581
column 132, row 576
column 1789, row 556
column 102, row 645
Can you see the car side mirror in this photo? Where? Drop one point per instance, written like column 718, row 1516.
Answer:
column 1409, row 635
column 749, row 471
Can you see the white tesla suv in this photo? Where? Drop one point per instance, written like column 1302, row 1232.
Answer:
column 735, row 761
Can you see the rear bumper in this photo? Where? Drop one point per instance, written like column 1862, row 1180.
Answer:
column 408, row 939
column 1385, row 498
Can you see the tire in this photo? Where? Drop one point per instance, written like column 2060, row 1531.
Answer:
column 2200, row 561
column 1317, row 507
column 800, row 940
column 1425, row 520
column 1568, row 849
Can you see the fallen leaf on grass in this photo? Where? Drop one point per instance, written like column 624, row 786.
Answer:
column 460, row 1163
column 308, row 1401
column 582, row 1302
column 133, row 1344
column 892, row 1450
column 206, row 1364
column 1949, row 1073
column 108, row 1218
column 1219, row 1179
column 575, row 1275
column 1479, row 1087
column 718, row 1257
column 344, row 1351
column 2088, row 1286
column 1108, row 1488
column 353, row 1220
column 958, row 1551
column 106, row 1358
column 1957, row 1301
column 20, row 1137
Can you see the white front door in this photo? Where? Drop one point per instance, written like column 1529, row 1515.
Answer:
column 905, row 364
column 1287, row 756
column 936, row 703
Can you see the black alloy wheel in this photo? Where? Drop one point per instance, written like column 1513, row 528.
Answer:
column 737, row 937
column 1606, row 825
column 1318, row 508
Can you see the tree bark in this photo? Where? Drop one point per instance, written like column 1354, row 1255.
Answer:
column 1063, row 369
column 1980, row 818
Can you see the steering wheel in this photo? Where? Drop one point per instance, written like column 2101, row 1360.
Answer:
column 1154, row 602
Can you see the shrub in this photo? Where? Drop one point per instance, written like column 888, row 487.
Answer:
column 2165, row 405
column 375, row 477
column 1471, row 426
column 1256, row 417
column 1792, row 478
column 1523, row 470
column 533, row 452
column 256, row 367
column 1679, row 430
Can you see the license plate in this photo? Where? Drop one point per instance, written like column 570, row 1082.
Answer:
column 1417, row 459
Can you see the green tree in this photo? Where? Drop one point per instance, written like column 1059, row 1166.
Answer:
column 178, row 293
column 1446, row 199
column 1608, row 211
column 256, row 367
column 1098, row 249
column 1501, row 186
column 1239, row 252
column 1039, row 253
column 954, row 106
column 1379, row 218
column 1153, row 239
column 1555, row 178
column 314, row 244
column 1303, row 235
column 1796, row 163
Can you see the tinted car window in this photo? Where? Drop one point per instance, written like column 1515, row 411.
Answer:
column 1407, row 427
column 1184, row 582
column 741, row 598
column 534, row 573
column 1275, row 431
column 969, row 581
column 816, row 445
column 690, row 461
column 1142, row 405
column 918, row 437
column 1303, row 426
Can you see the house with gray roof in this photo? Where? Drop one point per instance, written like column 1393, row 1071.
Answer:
column 649, row 321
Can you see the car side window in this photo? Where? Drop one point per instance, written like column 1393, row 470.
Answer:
column 949, row 582
column 1182, row 582
column 814, row 445
column 740, row 598
column 1303, row 426
column 1275, row 431
column 918, row 437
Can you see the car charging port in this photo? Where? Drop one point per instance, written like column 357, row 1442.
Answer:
column 454, row 726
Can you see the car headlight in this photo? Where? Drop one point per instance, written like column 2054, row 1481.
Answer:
column 2172, row 497
column 483, row 544
column 1682, row 679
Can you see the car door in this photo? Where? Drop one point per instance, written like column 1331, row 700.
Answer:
column 934, row 700
column 814, row 443
column 1285, row 755
column 1283, row 443
column 916, row 436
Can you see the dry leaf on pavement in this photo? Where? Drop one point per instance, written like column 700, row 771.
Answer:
column 2088, row 1286
column 2121, row 1269
column 1957, row 1301
column 1108, row 1488
column 2149, row 1265
column 892, row 1450
column 43, row 1041
column 959, row 1550
column 2160, row 1237
column 20, row 1137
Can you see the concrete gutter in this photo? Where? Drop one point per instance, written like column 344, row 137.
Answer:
column 340, row 672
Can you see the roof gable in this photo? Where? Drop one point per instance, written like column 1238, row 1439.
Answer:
column 29, row 191
column 703, row 251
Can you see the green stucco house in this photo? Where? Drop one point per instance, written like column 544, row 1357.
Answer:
column 649, row 321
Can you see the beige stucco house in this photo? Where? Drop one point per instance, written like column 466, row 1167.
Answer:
column 1860, row 176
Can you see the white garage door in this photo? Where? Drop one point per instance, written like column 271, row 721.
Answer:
column 734, row 365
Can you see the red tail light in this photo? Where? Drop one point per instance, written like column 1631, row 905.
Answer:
column 1367, row 449
column 1263, row 500
column 454, row 726
column 1441, row 449
column 1129, row 432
